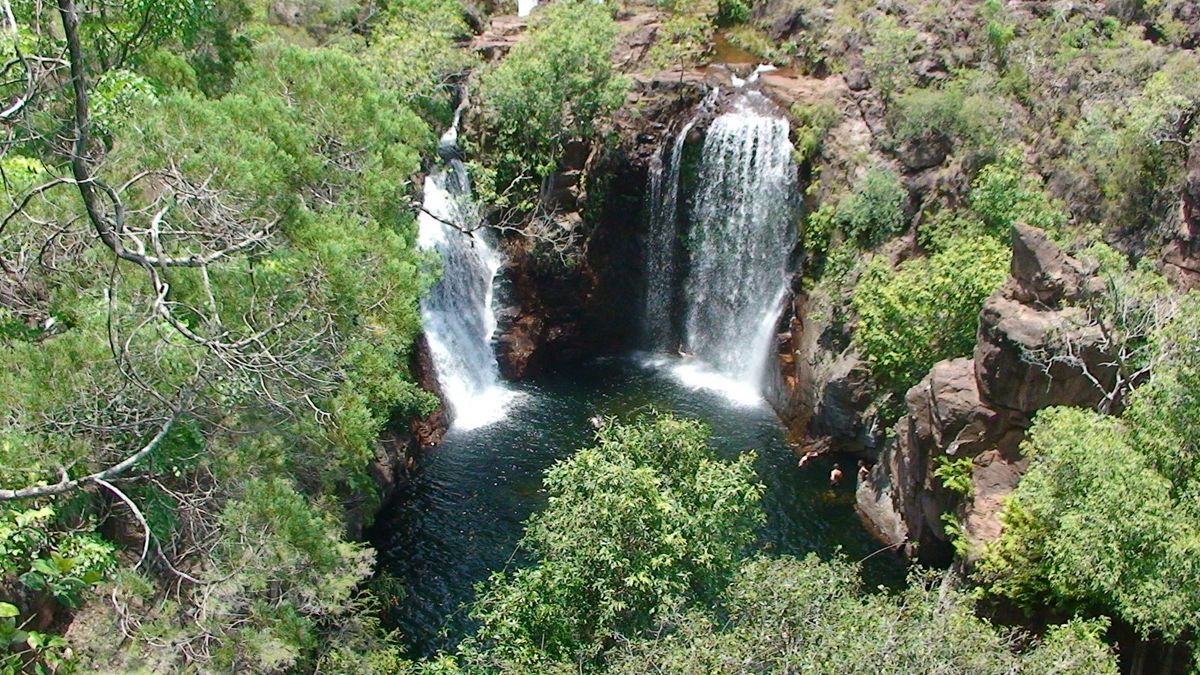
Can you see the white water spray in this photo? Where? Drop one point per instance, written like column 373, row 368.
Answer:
column 661, row 246
column 457, row 315
column 742, row 235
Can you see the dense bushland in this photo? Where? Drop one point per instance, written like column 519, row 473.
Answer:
column 643, row 565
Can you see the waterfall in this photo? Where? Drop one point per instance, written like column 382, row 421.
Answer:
column 457, row 314
column 741, row 239
column 661, row 247
column 524, row 7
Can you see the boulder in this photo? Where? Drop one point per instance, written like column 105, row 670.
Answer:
column 1015, row 343
column 954, row 418
column 842, row 416
column 925, row 154
column 1041, row 273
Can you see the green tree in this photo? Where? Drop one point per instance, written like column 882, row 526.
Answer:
column 1106, row 517
column 553, row 87
column 927, row 310
column 646, row 520
column 787, row 615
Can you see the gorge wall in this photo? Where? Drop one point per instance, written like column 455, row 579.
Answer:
column 561, row 303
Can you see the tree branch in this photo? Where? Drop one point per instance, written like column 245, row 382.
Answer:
column 66, row 485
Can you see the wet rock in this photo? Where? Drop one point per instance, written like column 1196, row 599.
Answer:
column 427, row 431
column 842, row 416
column 519, row 336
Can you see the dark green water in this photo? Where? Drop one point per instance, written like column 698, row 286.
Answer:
column 461, row 516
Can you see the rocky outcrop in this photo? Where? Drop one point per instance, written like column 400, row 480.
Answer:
column 495, row 42
column 1181, row 256
column 980, row 407
column 829, row 398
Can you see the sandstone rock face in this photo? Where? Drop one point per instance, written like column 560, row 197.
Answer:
column 994, row 476
column 1041, row 273
column 980, row 407
column 495, row 42
column 1010, row 332
column 841, row 411
column 1181, row 257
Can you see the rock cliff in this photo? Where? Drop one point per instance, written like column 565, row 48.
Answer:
column 980, row 407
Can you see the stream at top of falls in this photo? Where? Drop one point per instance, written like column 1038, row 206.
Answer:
column 460, row 516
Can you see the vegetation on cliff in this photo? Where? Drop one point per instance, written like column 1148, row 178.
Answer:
column 209, row 288
column 209, row 298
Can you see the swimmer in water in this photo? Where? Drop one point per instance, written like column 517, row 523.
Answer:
column 835, row 476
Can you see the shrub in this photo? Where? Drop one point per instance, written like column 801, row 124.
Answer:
column 888, row 59
column 925, row 311
column 813, row 122
column 554, row 86
column 869, row 216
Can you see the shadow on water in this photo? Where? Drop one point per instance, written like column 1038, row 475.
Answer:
column 461, row 515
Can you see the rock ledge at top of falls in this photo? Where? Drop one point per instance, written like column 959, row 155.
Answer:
column 555, row 314
column 980, row 407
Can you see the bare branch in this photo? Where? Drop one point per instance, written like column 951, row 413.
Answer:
column 66, row 485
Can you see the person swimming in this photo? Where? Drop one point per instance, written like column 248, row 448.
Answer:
column 835, row 476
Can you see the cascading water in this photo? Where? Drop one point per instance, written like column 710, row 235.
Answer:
column 457, row 314
column 741, row 239
column 660, row 246
column 524, row 7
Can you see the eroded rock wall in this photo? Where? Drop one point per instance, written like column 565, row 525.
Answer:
column 980, row 407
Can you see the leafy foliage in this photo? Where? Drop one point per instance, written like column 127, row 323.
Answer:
column 868, row 217
column 554, row 86
column 927, row 310
column 955, row 474
column 1106, row 518
column 644, row 521
column 788, row 615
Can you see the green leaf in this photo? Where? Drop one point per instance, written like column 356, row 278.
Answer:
column 8, row 611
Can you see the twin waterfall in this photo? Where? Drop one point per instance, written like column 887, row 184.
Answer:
column 717, row 264
column 739, row 241
column 457, row 314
